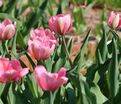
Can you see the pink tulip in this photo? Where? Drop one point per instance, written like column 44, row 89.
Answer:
column 114, row 21
column 41, row 43
column 50, row 81
column 7, row 30
column 11, row 70
column 60, row 24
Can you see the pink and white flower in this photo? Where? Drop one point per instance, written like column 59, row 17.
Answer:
column 41, row 43
column 11, row 70
column 7, row 29
column 50, row 81
column 60, row 24
column 114, row 21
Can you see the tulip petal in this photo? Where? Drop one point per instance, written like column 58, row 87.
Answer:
column 61, row 81
column 40, row 73
column 115, row 21
column 50, row 21
column 3, row 65
column 62, row 72
column 67, row 23
column 7, row 22
column 24, row 72
column 61, row 24
column 51, row 80
column 110, row 19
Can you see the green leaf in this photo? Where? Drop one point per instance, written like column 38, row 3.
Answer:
column 80, row 57
column 99, row 96
column 14, row 51
column 20, row 40
column 113, row 72
column 115, row 35
column 48, row 63
column 60, row 63
column 5, row 93
column 82, row 90
column 59, row 11
column 71, row 96
column 1, row 102
column 23, row 96
column 33, row 87
column 102, row 50
column 63, row 52
column 117, row 99
column 119, row 44
column 11, row 97
column 44, row 4
column 78, row 15
column 45, row 99
column 10, row 6
column 69, row 45
column 88, row 96
column 2, row 85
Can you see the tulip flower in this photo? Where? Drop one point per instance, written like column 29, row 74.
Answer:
column 60, row 24
column 114, row 21
column 11, row 70
column 7, row 30
column 50, row 81
column 41, row 43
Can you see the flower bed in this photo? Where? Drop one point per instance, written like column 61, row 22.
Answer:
column 41, row 64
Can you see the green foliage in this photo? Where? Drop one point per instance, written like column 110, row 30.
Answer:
column 105, row 71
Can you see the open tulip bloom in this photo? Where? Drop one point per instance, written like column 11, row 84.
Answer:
column 50, row 81
column 41, row 43
column 11, row 70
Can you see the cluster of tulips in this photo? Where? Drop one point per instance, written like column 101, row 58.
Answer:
column 41, row 45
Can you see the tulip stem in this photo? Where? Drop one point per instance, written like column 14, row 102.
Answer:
column 51, row 98
column 63, row 39
column 5, row 48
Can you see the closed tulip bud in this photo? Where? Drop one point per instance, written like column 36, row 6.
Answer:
column 11, row 70
column 60, row 24
column 41, row 43
column 7, row 30
column 114, row 21
column 50, row 81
